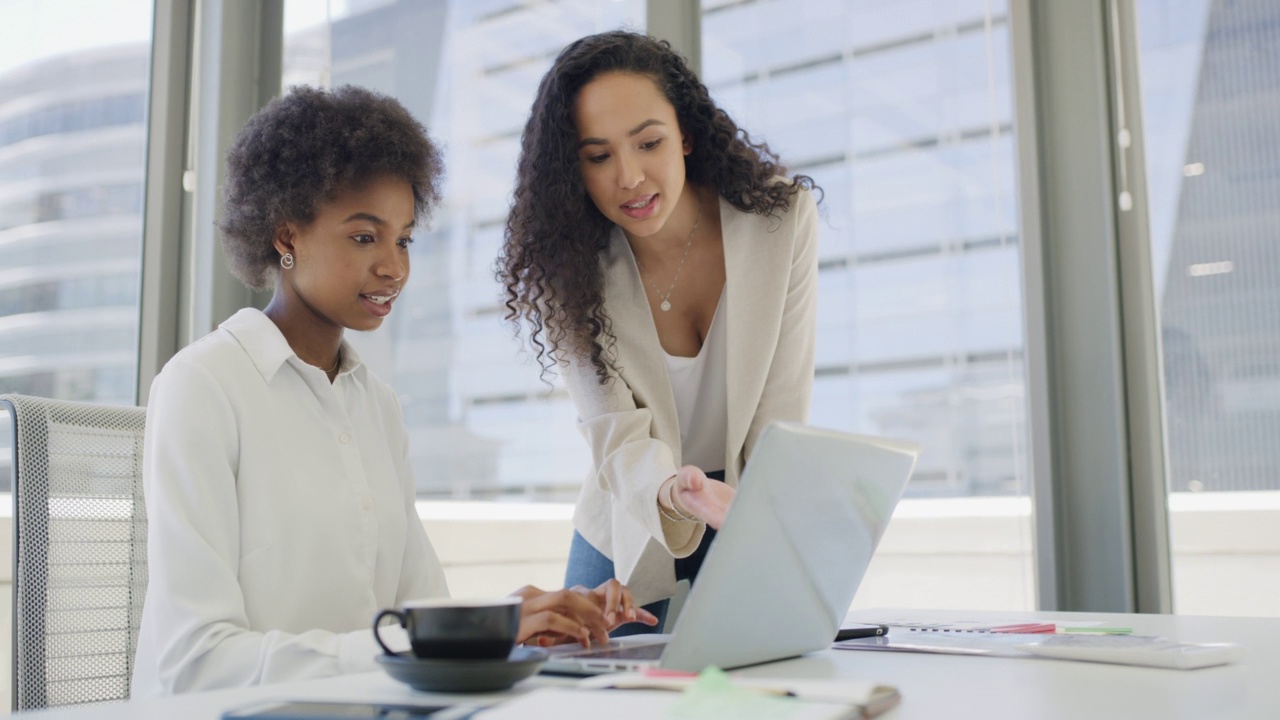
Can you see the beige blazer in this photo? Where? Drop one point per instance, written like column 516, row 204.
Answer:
column 771, row 269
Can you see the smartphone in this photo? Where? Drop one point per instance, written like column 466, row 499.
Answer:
column 861, row 630
column 307, row 710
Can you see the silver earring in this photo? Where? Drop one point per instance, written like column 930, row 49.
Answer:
column 286, row 261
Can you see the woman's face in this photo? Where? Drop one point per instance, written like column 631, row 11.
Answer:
column 631, row 150
column 352, row 261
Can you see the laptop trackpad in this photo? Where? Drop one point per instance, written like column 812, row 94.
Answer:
column 652, row 651
column 647, row 643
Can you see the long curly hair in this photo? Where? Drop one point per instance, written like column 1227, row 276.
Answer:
column 303, row 149
column 550, row 262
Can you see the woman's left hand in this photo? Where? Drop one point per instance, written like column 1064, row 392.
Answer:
column 615, row 601
column 696, row 494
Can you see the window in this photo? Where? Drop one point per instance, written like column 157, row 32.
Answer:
column 482, row 425
column 1210, row 91
column 903, row 114
column 73, row 88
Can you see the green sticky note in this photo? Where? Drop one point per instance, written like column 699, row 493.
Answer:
column 715, row 697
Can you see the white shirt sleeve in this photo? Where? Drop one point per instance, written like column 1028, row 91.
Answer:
column 199, row 628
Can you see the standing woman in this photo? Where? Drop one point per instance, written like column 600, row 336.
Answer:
column 276, row 465
column 660, row 263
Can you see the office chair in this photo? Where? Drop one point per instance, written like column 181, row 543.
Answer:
column 79, row 550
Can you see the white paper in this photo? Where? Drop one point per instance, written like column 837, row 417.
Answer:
column 994, row 644
column 835, row 691
column 572, row 704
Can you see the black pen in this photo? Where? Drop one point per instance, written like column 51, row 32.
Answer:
column 861, row 631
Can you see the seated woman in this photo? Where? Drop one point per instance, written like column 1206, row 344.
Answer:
column 278, row 488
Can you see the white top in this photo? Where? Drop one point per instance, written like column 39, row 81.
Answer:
column 701, row 390
column 281, row 516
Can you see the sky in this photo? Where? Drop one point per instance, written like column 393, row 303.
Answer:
column 37, row 29
column 33, row 30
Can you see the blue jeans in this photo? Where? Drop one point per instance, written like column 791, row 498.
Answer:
column 589, row 567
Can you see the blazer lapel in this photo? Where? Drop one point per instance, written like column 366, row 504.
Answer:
column 757, row 273
column 743, row 302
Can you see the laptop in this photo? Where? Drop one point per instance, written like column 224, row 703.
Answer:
column 779, row 578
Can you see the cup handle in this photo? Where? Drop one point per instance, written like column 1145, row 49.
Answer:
column 378, row 618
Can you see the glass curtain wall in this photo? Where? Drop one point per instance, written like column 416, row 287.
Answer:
column 902, row 112
column 482, row 424
column 904, row 116
column 1210, row 91
column 73, row 111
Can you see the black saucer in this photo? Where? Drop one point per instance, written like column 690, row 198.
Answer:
column 457, row 676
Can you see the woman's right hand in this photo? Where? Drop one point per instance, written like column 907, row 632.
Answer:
column 696, row 494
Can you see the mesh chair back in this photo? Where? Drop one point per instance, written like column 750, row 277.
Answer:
column 79, row 550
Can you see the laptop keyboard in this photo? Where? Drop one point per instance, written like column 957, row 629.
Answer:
column 628, row 652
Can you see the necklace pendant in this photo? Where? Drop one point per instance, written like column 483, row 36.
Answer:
column 665, row 306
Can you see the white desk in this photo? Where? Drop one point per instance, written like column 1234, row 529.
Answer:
column 932, row 686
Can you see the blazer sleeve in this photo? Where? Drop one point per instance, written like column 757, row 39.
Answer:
column 194, row 605
column 789, row 383
column 629, row 462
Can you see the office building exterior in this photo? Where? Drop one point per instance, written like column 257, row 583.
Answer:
column 902, row 112
column 71, row 188
column 1220, row 304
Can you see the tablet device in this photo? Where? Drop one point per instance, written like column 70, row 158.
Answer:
column 1136, row 650
column 308, row 710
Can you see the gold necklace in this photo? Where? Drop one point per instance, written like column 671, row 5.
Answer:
column 334, row 369
column 666, row 299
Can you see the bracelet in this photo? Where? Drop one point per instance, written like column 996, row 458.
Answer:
column 673, row 518
column 678, row 517
column 671, row 497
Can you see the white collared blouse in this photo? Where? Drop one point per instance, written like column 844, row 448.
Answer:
column 281, row 515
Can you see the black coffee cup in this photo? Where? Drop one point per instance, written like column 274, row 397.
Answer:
column 447, row 629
